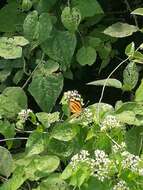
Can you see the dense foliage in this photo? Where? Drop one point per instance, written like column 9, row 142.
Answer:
column 49, row 48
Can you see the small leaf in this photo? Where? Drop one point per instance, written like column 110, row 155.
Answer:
column 130, row 76
column 86, row 56
column 6, row 162
column 18, row 76
column 8, row 131
column 46, row 90
column 120, row 30
column 138, row 11
column 138, row 57
column 130, row 49
column 47, row 118
column 110, row 82
column 71, row 18
column 139, row 93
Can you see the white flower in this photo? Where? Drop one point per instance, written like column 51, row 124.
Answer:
column 121, row 185
column 102, row 165
column 24, row 114
column 87, row 116
column 130, row 161
column 109, row 122
column 120, row 148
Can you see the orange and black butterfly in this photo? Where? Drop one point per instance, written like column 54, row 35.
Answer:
column 75, row 102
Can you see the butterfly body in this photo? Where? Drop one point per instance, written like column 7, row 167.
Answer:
column 75, row 106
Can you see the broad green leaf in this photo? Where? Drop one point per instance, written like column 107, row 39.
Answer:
column 138, row 11
column 12, row 101
column 86, row 56
column 88, row 8
column 71, row 18
column 60, row 148
column 46, row 90
column 16, row 180
column 45, row 27
column 35, row 143
column 110, row 82
column 11, row 17
column 44, row 5
column 43, row 165
column 37, row 28
column 130, row 76
column 20, row 41
column 130, row 49
column 60, row 47
column 46, row 67
column 65, row 131
column 136, row 107
column 53, row 182
column 8, row 49
column 11, row 63
column 94, row 184
column 134, row 138
column 6, row 162
column 120, row 30
column 139, row 93
column 30, row 26
column 8, row 131
column 47, row 118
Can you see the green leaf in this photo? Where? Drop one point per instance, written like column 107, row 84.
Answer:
column 12, row 101
column 134, row 139
column 35, row 143
column 71, row 18
column 139, row 93
column 46, row 90
column 18, row 76
column 11, row 17
column 110, row 82
column 6, row 162
column 120, row 30
column 130, row 49
column 138, row 11
column 53, row 182
column 130, row 76
column 4, row 74
column 47, row 118
column 15, row 181
column 10, row 47
column 88, row 8
column 45, row 27
column 138, row 57
column 86, row 56
column 60, row 148
column 60, row 47
column 65, row 131
column 44, row 165
column 30, row 25
column 8, row 131
column 44, row 5
column 37, row 28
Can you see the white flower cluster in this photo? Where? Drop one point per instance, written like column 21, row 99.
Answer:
column 132, row 162
column 73, row 94
column 24, row 114
column 109, row 122
column 102, row 165
column 119, row 148
column 121, row 185
column 87, row 116
column 99, row 165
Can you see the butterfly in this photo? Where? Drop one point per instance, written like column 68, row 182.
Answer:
column 75, row 103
